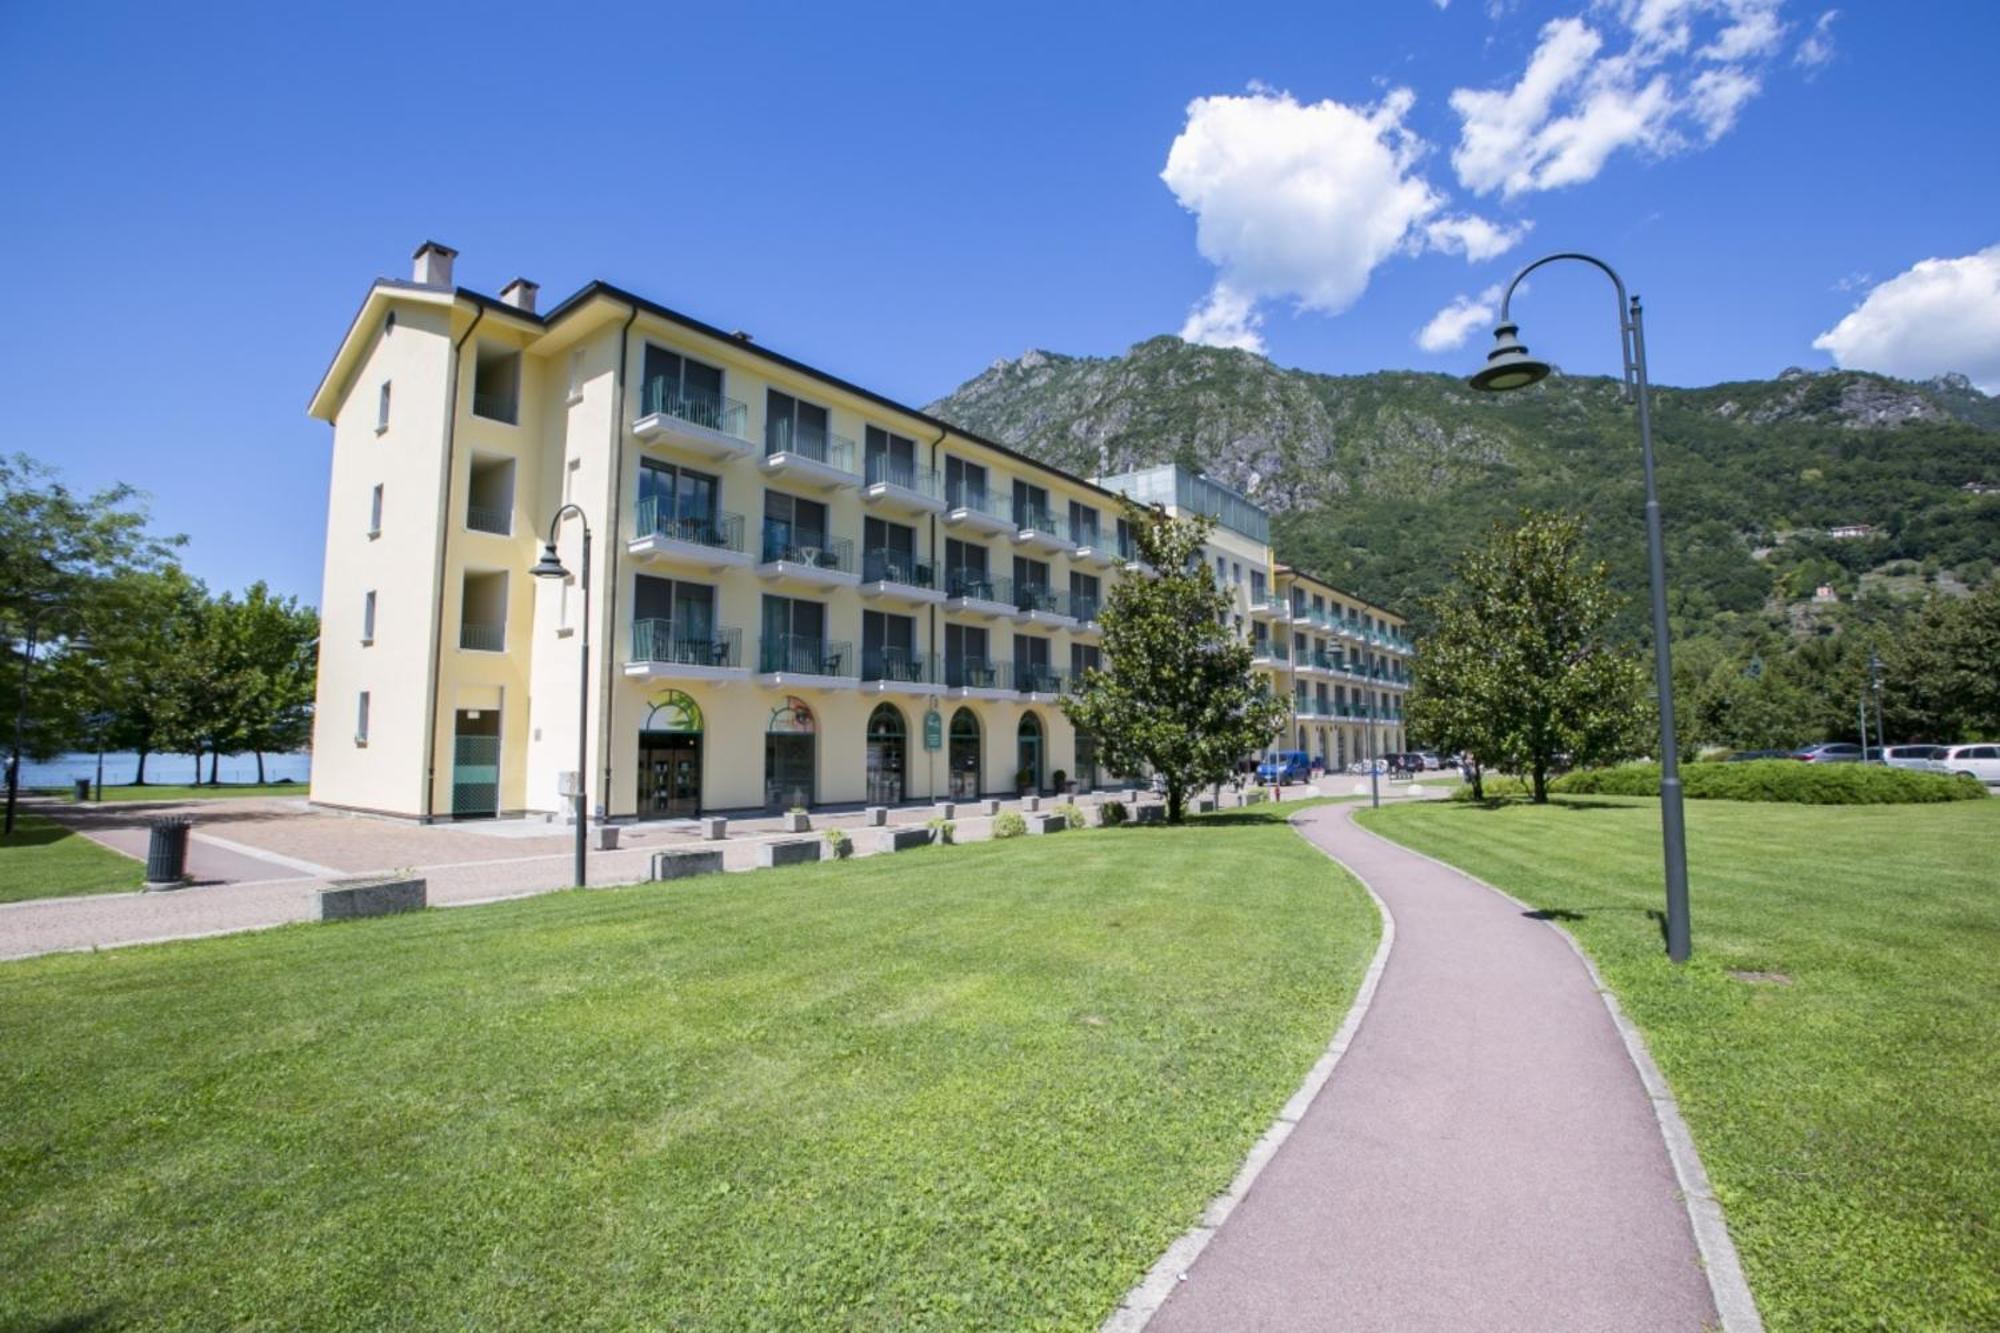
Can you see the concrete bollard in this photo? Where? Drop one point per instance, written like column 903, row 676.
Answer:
column 788, row 853
column 989, row 806
column 1031, row 803
column 876, row 816
column 607, row 838
column 946, row 810
column 714, row 828
column 687, row 864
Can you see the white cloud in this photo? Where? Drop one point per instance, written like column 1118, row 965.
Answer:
column 1817, row 47
column 1303, row 201
column 1578, row 102
column 1451, row 326
column 1941, row 315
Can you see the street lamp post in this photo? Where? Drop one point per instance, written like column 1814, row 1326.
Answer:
column 1508, row 366
column 1875, row 680
column 550, row 566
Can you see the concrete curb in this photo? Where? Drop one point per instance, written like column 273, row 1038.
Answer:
column 1144, row 1300
column 1735, row 1306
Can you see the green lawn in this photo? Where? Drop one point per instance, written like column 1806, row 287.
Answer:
column 977, row 1086
column 172, row 792
column 1847, row 1110
column 42, row 859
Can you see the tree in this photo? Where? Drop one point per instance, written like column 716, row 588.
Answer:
column 1521, row 664
column 277, row 643
column 157, row 619
column 1176, row 693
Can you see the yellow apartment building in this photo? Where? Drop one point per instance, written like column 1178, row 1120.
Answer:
column 802, row 593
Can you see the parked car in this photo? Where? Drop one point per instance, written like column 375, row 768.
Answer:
column 1830, row 752
column 1431, row 762
column 1922, row 758
column 1746, row 756
column 1974, row 761
column 1283, row 766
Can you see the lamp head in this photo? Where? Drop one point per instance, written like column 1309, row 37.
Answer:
column 550, row 566
column 1508, row 365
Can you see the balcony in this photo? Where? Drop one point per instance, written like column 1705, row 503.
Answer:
column 1083, row 613
column 697, row 423
column 665, row 650
column 972, row 592
column 899, row 671
column 805, row 661
column 976, row 511
column 899, row 576
column 798, row 555
column 1041, row 530
column 710, row 540
column 809, row 458
column 482, row 638
column 1096, row 547
column 490, row 518
column 977, row 678
column 901, row 487
column 1270, row 652
column 1035, row 604
column 1270, row 608
column 1310, row 663
column 1041, row 682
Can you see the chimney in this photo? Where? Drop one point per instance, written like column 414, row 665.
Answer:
column 433, row 264
column 520, row 293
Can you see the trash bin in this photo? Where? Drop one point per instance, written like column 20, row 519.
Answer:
column 83, row 789
column 167, row 850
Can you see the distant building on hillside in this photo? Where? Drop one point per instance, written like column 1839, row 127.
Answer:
column 1825, row 593
column 1980, row 487
column 1850, row 531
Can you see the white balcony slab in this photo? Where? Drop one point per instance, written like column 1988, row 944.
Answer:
column 697, row 555
column 807, row 574
column 799, row 469
column 976, row 520
column 804, row 680
column 888, row 590
column 888, row 496
column 979, row 606
column 661, row 428
column 684, row 671
column 901, row 687
column 1097, row 553
column 1044, row 619
column 1034, row 539
column 994, row 693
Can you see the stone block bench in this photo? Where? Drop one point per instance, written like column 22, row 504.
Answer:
column 379, row 895
column 903, row 839
column 685, row 864
column 1149, row 814
column 792, row 852
column 1047, row 821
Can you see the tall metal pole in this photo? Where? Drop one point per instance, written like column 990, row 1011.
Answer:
column 583, row 711
column 1673, row 829
column 1875, row 679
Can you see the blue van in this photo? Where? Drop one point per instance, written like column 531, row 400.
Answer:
column 1283, row 766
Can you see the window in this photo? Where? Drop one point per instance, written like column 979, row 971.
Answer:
column 1235, row 572
column 382, row 409
column 1083, row 595
column 790, row 524
column 1084, row 657
column 489, row 499
column 684, row 388
column 674, row 621
column 795, row 638
column 496, row 385
column 1031, row 505
column 680, row 502
column 964, row 484
column 375, row 512
column 889, row 647
column 965, row 659
column 794, row 426
column 1082, row 524
column 576, row 376
column 389, row 324
column 482, row 612
column 889, row 551
column 1257, row 586
column 965, row 569
column 890, row 458
column 361, row 719
column 368, row 616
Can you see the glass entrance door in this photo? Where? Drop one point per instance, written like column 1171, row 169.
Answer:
column 964, row 756
column 788, row 771
column 1028, row 757
column 885, row 756
column 475, row 764
column 669, row 775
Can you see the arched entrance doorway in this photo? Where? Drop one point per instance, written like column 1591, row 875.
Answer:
column 886, row 751
column 963, row 756
column 1028, row 753
column 670, row 758
column 790, row 756
column 1086, row 761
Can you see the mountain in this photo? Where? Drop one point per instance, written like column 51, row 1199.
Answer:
column 1377, row 481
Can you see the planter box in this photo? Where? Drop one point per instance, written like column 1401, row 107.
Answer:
column 715, row 828
column 946, row 810
column 792, row 823
column 903, row 839
column 1050, row 822
column 788, row 853
column 687, row 864
column 875, row 816
column 606, row 839
column 348, row 899
column 1149, row 814
column 1031, row 803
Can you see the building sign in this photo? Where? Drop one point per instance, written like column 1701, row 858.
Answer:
column 933, row 730
column 673, row 710
column 792, row 717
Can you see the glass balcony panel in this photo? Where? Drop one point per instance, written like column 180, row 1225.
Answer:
column 885, row 565
column 806, row 546
column 664, row 397
column 679, row 644
column 805, row 655
column 659, row 517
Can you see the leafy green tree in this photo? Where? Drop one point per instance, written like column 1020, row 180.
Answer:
column 157, row 619
column 1176, row 693
column 1526, row 666
column 277, row 643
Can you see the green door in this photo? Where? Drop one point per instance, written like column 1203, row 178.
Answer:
column 475, row 764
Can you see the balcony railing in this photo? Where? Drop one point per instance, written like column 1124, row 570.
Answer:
column 658, row 518
column 1028, row 518
column 501, row 407
column 804, row 655
column 979, row 502
column 482, row 638
column 900, row 665
column 886, row 565
column 784, row 437
column 681, row 644
column 980, row 586
column 804, row 546
column 1087, row 534
column 976, row 673
column 663, row 397
column 1270, row 650
column 1039, row 597
column 884, row 470
column 490, row 518
column 1039, row 678
column 1084, row 607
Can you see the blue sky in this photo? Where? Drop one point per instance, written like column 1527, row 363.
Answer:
column 902, row 194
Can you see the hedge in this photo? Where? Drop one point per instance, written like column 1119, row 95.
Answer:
column 1777, row 780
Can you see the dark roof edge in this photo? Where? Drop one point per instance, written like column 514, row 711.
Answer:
column 1329, row 583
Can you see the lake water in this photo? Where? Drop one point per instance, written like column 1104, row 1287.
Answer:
column 119, row 769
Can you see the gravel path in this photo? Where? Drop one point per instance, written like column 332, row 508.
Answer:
column 1484, row 1156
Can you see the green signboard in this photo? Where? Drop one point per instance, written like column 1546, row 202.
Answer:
column 933, row 730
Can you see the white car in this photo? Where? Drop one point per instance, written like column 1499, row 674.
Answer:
column 1920, row 758
column 1977, row 761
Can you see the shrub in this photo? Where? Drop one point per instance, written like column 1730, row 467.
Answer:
column 942, row 830
column 843, row 846
column 1059, row 780
column 1009, row 824
column 1111, row 814
column 1775, row 780
column 1072, row 814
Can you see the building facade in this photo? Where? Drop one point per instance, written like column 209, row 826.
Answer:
column 800, row 592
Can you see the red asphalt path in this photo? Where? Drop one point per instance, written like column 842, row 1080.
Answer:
column 1484, row 1155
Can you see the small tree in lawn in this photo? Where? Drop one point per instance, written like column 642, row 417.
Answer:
column 1176, row 693
column 1521, row 665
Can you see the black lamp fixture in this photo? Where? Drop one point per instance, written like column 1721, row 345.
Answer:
column 1508, row 365
column 550, row 566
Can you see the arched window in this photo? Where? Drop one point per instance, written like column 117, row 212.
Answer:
column 963, row 756
column 1028, row 753
column 887, row 751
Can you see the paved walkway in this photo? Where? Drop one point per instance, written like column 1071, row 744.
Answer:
column 1483, row 1157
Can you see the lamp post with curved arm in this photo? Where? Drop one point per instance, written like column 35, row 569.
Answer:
column 1508, row 366
column 550, row 566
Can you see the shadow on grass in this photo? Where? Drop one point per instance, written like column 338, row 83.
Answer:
column 36, row 835
column 1559, row 914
